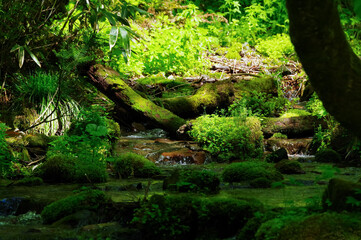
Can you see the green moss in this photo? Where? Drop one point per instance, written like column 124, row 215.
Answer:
column 261, row 182
column 328, row 155
column 222, row 51
column 86, row 200
column 29, row 181
column 277, row 156
column 58, row 168
column 287, row 166
column 279, row 136
column 193, row 180
column 130, row 163
column 295, row 113
column 263, row 84
column 250, row 170
column 324, row 226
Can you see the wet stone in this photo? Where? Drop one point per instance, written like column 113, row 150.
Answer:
column 182, row 156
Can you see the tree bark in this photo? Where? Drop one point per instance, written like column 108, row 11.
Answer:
column 333, row 68
column 109, row 82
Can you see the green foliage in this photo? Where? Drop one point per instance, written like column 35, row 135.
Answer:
column 229, row 137
column 51, row 100
column 279, row 136
column 185, row 217
column 85, row 200
column 166, row 217
column 6, row 157
column 277, row 47
column 260, row 104
column 250, row 170
column 295, row 113
column 129, row 163
column 315, row 106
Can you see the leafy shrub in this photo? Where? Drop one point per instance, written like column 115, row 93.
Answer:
column 85, row 200
column 327, row 155
column 250, row 170
column 167, row 217
column 132, row 163
column 260, row 104
column 229, row 137
column 276, row 47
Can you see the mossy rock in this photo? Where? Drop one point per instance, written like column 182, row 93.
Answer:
column 192, row 181
column 38, row 140
column 277, row 156
column 221, row 218
column 328, row 155
column 324, row 226
column 250, row 170
column 287, row 166
column 129, row 163
column 342, row 195
column 62, row 168
column 29, row 181
column 56, row 169
column 86, row 200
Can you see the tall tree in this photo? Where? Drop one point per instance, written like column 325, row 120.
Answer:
column 332, row 66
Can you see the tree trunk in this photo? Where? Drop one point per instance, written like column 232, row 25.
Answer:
column 109, row 82
column 334, row 70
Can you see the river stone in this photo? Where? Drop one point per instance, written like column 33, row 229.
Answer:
column 338, row 193
column 293, row 146
column 9, row 206
column 287, row 166
column 183, row 156
column 277, row 156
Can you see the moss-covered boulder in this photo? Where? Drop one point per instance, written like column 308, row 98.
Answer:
column 293, row 127
column 128, row 164
column 287, row 166
column 38, row 140
column 323, row 226
column 250, row 170
column 85, row 200
column 328, row 155
column 185, row 217
column 342, row 195
column 190, row 180
column 261, row 182
column 29, row 181
column 277, row 156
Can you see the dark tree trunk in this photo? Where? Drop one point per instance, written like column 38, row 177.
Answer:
column 109, row 82
column 333, row 68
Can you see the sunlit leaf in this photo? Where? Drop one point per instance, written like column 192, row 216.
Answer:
column 120, row 19
column 21, row 56
column 108, row 16
column 113, row 36
column 32, row 56
column 16, row 47
column 125, row 39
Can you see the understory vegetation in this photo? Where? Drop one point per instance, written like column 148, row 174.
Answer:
column 86, row 85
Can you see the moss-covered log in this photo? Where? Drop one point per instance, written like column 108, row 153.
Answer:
column 334, row 70
column 216, row 95
column 293, row 127
column 136, row 107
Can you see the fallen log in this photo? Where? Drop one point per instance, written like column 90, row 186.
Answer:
column 109, row 82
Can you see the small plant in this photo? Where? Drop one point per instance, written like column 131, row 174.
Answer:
column 229, row 137
column 279, row 136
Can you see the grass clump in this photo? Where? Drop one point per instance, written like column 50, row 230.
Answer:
column 129, row 164
column 250, row 170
